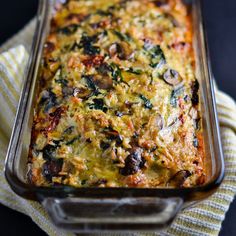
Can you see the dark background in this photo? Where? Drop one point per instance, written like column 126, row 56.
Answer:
column 220, row 21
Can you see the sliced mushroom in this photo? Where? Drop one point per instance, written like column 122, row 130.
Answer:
column 172, row 77
column 156, row 121
column 81, row 92
column 116, row 49
column 178, row 179
column 51, row 168
column 67, row 91
column 103, row 81
column 113, row 135
column 159, row 121
column 133, row 162
column 122, row 50
column 49, row 47
column 194, row 90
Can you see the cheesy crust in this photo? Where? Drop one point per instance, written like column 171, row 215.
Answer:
column 118, row 104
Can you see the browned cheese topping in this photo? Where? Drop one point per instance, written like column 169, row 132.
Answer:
column 118, row 104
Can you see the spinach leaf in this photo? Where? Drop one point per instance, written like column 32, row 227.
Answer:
column 91, row 84
column 98, row 104
column 69, row 130
column 86, row 43
column 156, row 54
column 147, row 103
column 68, row 30
column 62, row 81
column 73, row 140
column 175, row 94
column 48, row 99
column 116, row 74
column 122, row 36
column 49, row 151
column 135, row 71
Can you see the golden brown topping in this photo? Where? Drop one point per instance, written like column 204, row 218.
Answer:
column 118, row 102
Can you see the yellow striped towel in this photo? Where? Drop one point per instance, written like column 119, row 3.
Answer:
column 203, row 219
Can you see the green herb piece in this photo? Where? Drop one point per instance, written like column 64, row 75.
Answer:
column 147, row 103
column 86, row 43
column 122, row 36
column 175, row 94
column 49, row 100
column 91, row 84
column 68, row 30
column 49, row 151
column 117, row 74
column 98, row 104
column 73, row 140
column 135, row 71
column 69, row 130
column 61, row 81
column 156, row 54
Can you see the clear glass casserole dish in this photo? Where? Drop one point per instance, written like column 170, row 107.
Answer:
column 104, row 209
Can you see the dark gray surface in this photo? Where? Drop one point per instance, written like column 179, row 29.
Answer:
column 220, row 20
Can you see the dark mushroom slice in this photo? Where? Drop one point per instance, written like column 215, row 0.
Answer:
column 194, row 90
column 48, row 100
column 52, row 168
column 178, row 179
column 133, row 162
column 172, row 77
column 67, row 91
column 113, row 135
column 103, row 81
column 49, row 47
column 82, row 92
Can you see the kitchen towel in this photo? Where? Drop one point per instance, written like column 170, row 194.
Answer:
column 203, row 219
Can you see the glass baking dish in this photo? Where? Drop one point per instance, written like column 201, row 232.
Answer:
column 110, row 209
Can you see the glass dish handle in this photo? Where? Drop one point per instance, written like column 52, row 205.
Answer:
column 110, row 214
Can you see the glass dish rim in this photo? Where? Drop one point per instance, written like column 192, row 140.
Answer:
column 33, row 192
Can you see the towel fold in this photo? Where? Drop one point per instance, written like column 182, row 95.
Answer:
column 203, row 219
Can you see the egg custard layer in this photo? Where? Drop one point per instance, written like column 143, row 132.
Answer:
column 118, row 104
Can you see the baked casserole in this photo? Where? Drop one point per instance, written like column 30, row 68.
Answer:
column 118, row 104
